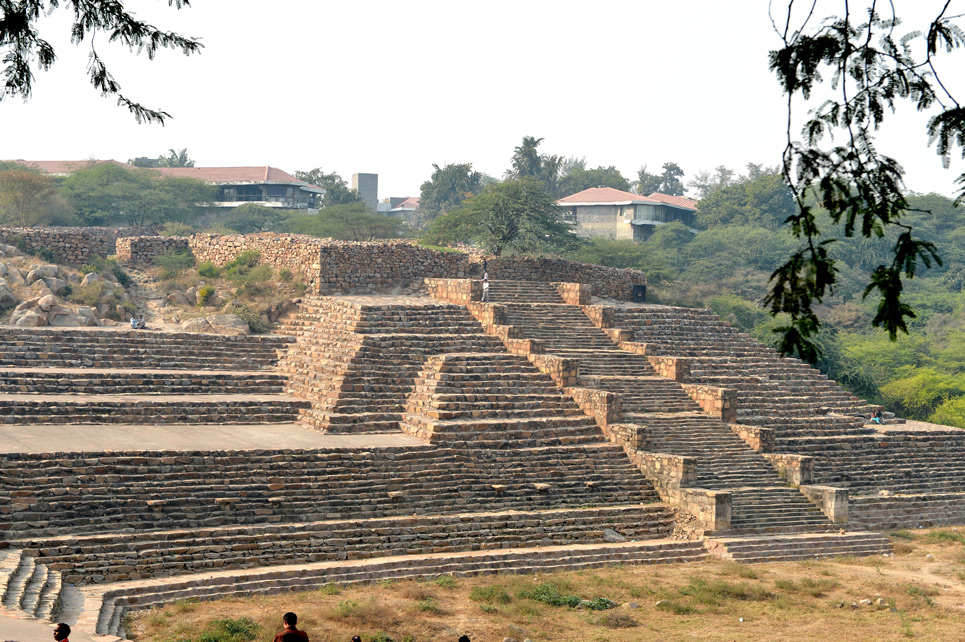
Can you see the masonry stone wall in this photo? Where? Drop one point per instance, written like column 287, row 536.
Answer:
column 294, row 252
column 70, row 245
column 141, row 250
column 607, row 282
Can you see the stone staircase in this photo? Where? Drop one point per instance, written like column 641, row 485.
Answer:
column 523, row 292
column 799, row 547
column 895, row 478
column 27, row 586
column 360, row 360
column 493, row 400
column 673, row 422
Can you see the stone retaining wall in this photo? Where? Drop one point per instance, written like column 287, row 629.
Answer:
column 70, row 245
column 294, row 252
column 141, row 250
column 607, row 282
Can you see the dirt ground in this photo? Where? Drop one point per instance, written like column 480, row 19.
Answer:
column 917, row 593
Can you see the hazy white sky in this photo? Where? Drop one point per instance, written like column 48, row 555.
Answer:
column 392, row 87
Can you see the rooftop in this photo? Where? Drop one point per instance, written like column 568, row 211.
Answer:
column 603, row 196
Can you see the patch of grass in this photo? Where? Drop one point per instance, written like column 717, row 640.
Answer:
column 807, row 586
column 386, row 583
column 230, row 630
column 923, row 594
column 675, row 607
column 329, row 589
column 346, row 609
column 740, row 570
column 444, row 581
column 549, row 594
column 719, row 592
column 486, row 608
column 492, row 594
column 906, row 535
column 286, row 275
column 944, row 536
column 616, row 621
column 428, row 605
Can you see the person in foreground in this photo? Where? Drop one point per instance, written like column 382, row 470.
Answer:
column 291, row 633
column 61, row 632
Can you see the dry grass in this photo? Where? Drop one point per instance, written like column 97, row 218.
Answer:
column 916, row 594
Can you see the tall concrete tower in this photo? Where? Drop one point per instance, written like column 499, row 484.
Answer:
column 367, row 185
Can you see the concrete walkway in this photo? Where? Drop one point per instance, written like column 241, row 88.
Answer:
column 15, row 628
column 116, row 437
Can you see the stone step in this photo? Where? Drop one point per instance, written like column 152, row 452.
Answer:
column 799, row 547
column 122, row 597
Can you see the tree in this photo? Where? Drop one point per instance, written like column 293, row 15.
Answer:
column 347, row 222
column 528, row 162
column 337, row 191
column 251, row 217
column 835, row 165
column 176, row 158
column 517, row 215
column 667, row 183
column 704, row 182
column 110, row 194
column 448, row 187
column 22, row 191
column 765, row 201
column 577, row 178
column 21, row 44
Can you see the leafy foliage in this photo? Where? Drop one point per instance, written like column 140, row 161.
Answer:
column 110, row 194
column 527, row 162
column 579, row 178
column 669, row 182
column 23, row 194
column 448, row 187
column 860, row 188
column 337, row 191
column 176, row 158
column 515, row 215
column 22, row 44
column 352, row 222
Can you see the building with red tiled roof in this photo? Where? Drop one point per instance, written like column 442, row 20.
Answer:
column 614, row 214
column 264, row 185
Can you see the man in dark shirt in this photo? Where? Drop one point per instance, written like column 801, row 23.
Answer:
column 61, row 631
column 291, row 633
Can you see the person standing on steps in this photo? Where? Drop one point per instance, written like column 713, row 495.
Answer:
column 61, row 632
column 485, row 296
column 291, row 633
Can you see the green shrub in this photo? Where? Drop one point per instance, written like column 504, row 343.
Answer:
column 718, row 592
column 205, row 292
column 246, row 259
column 209, row 270
column 286, row 275
column 108, row 266
column 598, row 604
column 549, row 594
column 429, row 605
column 252, row 318
column 445, row 581
column 173, row 263
column 230, row 630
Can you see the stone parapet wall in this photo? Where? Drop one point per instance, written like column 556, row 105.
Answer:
column 70, row 245
column 141, row 250
column 294, row 252
column 715, row 401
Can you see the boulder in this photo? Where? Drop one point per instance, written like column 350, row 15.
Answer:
column 229, row 324
column 47, row 302
column 87, row 316
column 14, row 276
column 4, row 270
column 43, row 272
column 90, row 278
column 39, row 289
column 29, row 304
column 9, row 250
column 196, row 325
column 28, row 319
column 74, row 278
column 177, row 298
column 57, row 286
column 7, row 298
column 62, row 317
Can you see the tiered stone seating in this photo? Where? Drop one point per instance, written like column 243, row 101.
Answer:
column 109, row 603
column 799, row 547
column 99, row 376
column 895, row 478
column 360, row 362
column 673, row 422
column 774, row 392
column 496, row 400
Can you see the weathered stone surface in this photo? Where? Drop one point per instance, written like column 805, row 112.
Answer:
column 28, row 319
column 42, row 272
column 56, row 285
column 230, row 324
column 7, row 298
column 196, row 325
column 87, row 316
column 59, row 316
column 177, row 298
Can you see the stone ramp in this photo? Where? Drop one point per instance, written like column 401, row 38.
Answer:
column 103, row 607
